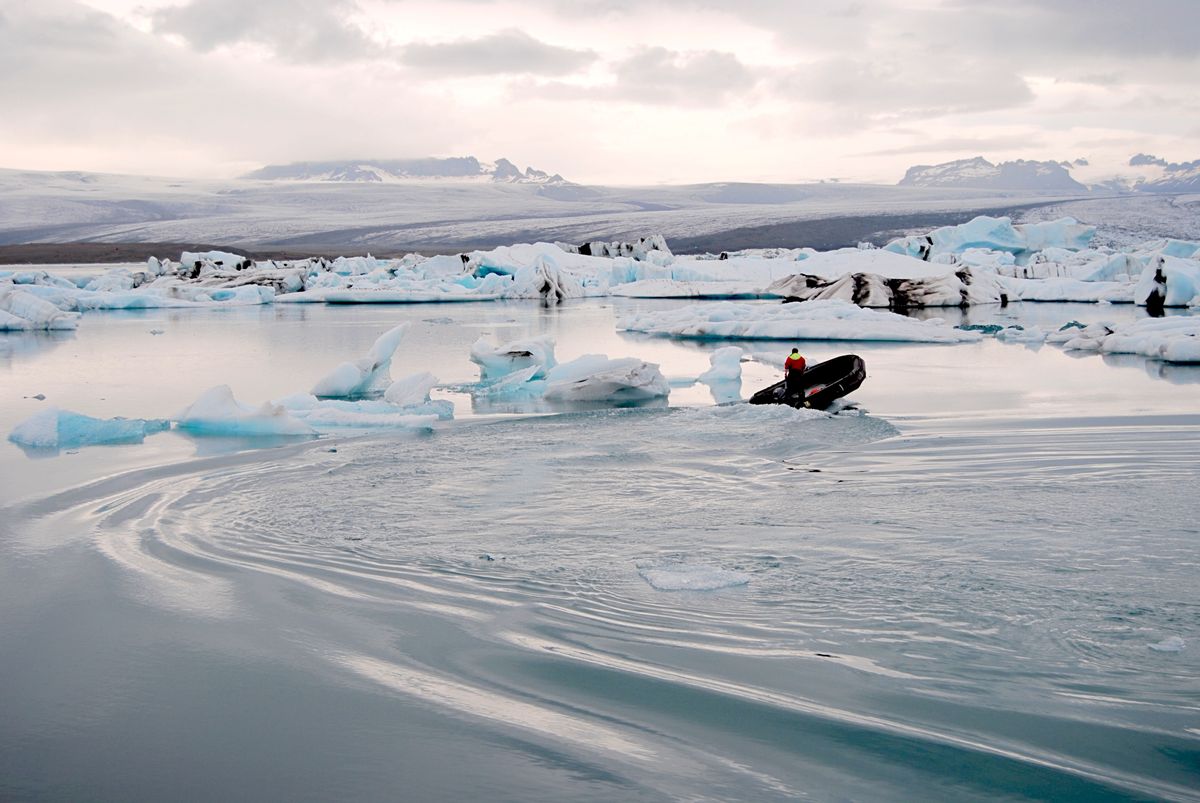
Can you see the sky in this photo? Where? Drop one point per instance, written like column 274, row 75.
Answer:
column 601, row 91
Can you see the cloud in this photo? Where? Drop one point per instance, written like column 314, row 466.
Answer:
column 660, row 77
column 299, row 30
column 506, row 52
column 881, row 89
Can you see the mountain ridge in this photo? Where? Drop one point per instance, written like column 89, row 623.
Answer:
column 386, row 170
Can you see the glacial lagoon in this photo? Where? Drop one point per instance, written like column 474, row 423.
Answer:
column 978, row 580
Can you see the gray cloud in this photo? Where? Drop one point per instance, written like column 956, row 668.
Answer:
column 904, row 89
column 304, row 30
column 661, row 77
column 505, row 52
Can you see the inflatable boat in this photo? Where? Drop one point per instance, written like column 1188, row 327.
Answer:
column 820, row 385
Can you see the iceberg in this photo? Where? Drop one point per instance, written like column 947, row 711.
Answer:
column 411, row 390
column 1168, row 282
column 217, row 412
column 996, row 234
column 1172, row 340
column 595, row 377
column 726, row 366
column 810, row 320
column 960, row 288
column 499, row 361
column 365, row 374
column 22, row 311
column 333, row 414
column 62, row 429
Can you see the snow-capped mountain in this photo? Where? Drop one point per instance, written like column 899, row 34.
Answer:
column 388, row 170
column 1159, row 175
column 980, row 173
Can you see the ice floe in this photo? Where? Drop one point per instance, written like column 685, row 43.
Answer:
column 811, row 320
column 1174, row 339
column 217, row 412
column 53, row 428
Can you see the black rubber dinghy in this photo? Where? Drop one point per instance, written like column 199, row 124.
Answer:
column 821, row 385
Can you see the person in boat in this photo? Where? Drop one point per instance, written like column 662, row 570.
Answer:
column 793, row 371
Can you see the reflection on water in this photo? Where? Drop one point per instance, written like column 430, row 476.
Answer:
column 979, row 585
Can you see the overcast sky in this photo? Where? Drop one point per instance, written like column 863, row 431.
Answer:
column 602, row 91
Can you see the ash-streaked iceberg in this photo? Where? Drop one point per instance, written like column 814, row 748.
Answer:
column 811, row 320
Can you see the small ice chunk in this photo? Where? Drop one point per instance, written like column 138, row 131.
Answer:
column 1169, row 644
column 217, row 412
column 595, row 377
column 726, row 366
column 498, row 361
column 411, row 390
column 60, row 429
column 691, row 577
column 366, row 373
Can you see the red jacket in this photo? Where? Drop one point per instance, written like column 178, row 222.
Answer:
column 795, row 363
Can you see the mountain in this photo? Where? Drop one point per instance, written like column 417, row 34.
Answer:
column 981, row 174
column 388, row 170
column 1166, row 176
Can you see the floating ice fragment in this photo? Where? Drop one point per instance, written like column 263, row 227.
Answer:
column 1169, row 644
column 60, row 429
column 217, row 412
column 595, row 377
column 498, row 361
column 366, row 373
column 691, row 577
column 726, row 366
column 411, row 390
column 809, row 320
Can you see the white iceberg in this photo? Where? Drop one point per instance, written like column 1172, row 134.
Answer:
column 217, row 412
column 411, row 390
column 21, row 311
column 996, row 234
column 334, row 414
column 499, row 361
column 62, row 429
column 595, row 377
column 365, row 374
column 1173, row 340
column 810, row 320
column 726, row 366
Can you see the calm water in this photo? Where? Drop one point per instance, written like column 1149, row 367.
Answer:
column 952, row 592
